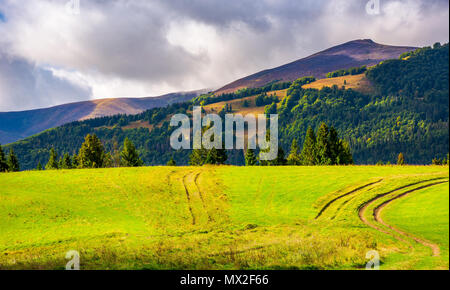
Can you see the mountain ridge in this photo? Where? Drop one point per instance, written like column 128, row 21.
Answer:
column 17, row 125
column 350, row 54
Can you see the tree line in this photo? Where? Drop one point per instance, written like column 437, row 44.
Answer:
column 323, row 148
column 344, row 72
column 92, row 154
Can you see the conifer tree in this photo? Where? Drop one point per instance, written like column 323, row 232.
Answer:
column 129, row 155
column 216, row 156
column 334, row 145
column 116, row 154
column 280, row 160
column 52, row 161
column 250, row 158
column 400, row 159
column 91, row 153
column 308, row 156
column 198, row 157
column 108, row 161
column 344, row 155
column 66, row 162
column 39, row 166
column 171, row 162
column 294, row 156
column 75, row 162
column 13, row 161
column 323, row 149
column 3, row 162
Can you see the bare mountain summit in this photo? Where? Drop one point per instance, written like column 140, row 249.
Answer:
column 351, row 54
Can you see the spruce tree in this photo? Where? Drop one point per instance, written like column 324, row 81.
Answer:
column 294, row 156
column 250, row 158
column 91, row 153
column 216, row 156
column 280, row 160
column 52, row 161
column 198, row 157
column 116, row 154
column 344, row 155
column 39, row 166
column 13, row 161
column 334, row 145
column 129, row 155
column 60, row 163
column 3, row 162
column 108, row 161
column 66, row 162
column 220, row 156
column 171, row 162
column 400, row 159
column 75, row 163
column 323, row 149
column 308, row 156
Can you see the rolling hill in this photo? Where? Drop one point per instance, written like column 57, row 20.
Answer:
column 226, row 217
column 351, row 54
column 19, row 125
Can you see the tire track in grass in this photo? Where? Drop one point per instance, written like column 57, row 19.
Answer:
column 188, row 196
column 344, row 195
column 364, row 206
column 201, row 196
column 377, row 215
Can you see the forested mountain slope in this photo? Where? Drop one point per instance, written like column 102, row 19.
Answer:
column 408, row 113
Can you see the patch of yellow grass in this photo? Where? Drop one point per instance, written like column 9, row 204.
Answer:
column 356, row 82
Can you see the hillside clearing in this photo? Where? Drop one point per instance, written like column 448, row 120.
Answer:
column 356, row 82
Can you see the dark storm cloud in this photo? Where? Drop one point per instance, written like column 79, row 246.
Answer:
column 142, row 47
column 25, row 86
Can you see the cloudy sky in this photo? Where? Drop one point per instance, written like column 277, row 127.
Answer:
column 52, row 53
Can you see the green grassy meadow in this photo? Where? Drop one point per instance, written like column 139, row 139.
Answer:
column 226, row 217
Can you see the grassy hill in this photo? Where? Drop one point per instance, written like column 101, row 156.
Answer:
column 225, row 217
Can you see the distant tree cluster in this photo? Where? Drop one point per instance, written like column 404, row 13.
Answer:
column 92, row 155
column 210, row 98
column 324, row 149
column 263, row 100
column 345, row 72
column 438, row 161
column 200, row 157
